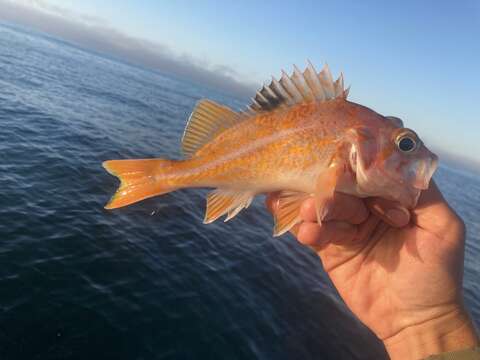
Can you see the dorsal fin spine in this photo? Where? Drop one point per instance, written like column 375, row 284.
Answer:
column 326, row 80
column 299, row 88
column 301, row 85
column 311, row 77
column 271, row 93
column 279, row 90
column 289, row 86
column 339, row 86
column 261, row 96
column 255, row 105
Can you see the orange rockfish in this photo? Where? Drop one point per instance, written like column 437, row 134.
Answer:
column 300, row 136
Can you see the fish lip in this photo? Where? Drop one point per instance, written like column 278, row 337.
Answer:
column 412, row 192
column 426, row 173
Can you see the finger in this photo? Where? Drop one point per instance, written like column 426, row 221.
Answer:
column 309, row 233
column 347, row 208
column 307, row 210
column 389, row 211
column 336, row 232
column 342, row 207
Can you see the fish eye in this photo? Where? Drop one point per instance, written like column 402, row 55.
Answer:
column 406, row 143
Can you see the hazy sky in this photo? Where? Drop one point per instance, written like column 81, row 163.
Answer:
column 418, row 60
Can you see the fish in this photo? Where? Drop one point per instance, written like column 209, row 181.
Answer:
column 300, row 137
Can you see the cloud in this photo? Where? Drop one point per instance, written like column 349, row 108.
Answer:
column 96, row 34
column 52, row 9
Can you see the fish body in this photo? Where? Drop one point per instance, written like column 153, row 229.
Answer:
column 302, row 137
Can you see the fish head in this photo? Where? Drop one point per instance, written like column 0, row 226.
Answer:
column 392, row 162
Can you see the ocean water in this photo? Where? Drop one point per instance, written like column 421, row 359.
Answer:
column 149, row 281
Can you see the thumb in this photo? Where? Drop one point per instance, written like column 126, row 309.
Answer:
column 434, row 214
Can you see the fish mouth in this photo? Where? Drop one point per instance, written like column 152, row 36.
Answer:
column 422, row 173
column 425, row 170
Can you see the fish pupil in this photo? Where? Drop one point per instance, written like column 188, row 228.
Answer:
column 406, row 144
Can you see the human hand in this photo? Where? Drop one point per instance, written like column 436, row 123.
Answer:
column 399, row 271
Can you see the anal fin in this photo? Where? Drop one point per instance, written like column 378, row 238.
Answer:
column 230, row 202
column 288, row 211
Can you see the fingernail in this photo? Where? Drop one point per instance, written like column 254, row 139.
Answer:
column 397, row 216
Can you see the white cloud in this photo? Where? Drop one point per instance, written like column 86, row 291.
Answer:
column 96, row 34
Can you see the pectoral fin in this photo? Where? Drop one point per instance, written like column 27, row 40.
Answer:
column 288, row 211
column 220, row 202
column 325, row 189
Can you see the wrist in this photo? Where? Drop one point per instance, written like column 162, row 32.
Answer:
column 449, row 332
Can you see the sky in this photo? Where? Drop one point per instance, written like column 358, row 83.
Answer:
column 417, row 60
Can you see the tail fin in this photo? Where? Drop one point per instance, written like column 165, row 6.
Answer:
column 137, row 180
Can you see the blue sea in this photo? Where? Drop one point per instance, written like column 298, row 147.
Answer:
column 149, row 281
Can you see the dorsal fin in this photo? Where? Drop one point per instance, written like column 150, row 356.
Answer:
column 299, row 87
column 207, row 120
